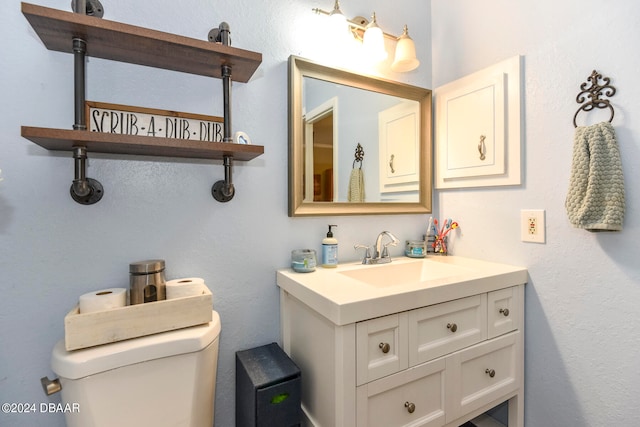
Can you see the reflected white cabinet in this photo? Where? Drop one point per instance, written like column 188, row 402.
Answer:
column 399, row 147
column 437, row 365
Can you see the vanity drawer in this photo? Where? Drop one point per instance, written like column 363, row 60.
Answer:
column 444, row 328
column 481, row 374
column 381, row 347
column 414, row 397
column 503, row 315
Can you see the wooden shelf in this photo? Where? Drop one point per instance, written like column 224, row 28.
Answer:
column 136, row 45
column 96, row 142
column 127, row 43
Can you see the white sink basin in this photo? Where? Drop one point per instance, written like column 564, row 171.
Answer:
column 354, row 292
column 394, row 274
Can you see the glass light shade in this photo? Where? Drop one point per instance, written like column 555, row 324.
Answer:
column 338, row 23
column 373, row 42
column 405, row 58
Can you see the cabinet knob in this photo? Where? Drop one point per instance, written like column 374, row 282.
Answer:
column 385, row 347
column 490, row 372
column 504, row 311
column 452, row 326
column 410, row 407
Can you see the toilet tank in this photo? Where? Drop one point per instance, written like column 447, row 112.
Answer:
column 165, row 379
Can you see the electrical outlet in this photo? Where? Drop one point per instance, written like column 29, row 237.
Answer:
column 532, row 227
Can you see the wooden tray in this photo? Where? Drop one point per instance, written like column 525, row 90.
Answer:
column 132, row 321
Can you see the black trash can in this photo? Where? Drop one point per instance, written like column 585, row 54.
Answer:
column 267, row 388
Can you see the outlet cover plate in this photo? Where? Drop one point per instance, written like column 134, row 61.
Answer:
column 532, row 226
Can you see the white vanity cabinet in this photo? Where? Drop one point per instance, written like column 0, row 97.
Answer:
column 439, row 364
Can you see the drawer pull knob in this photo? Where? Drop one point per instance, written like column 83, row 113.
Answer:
column 385, row 347
column 452, row 326
column 491, row 372
column 504, row 311
column 410, row 407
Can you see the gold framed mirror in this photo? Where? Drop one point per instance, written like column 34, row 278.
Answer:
column 358, row 145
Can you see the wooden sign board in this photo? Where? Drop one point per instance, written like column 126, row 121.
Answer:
column 128, row 120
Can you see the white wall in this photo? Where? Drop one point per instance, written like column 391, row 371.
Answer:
column 52, row 250
column 582, row 322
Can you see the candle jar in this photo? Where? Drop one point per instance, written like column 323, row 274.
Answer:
column 303, row 260
column 415, row 248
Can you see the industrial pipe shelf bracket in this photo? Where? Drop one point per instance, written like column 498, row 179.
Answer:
column 88, row 7
column 223, row 191
column 85, row 191
column 88, row 191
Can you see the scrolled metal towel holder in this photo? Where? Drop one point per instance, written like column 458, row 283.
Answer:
column 590, row 94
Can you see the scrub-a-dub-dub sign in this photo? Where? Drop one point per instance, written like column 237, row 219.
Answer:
column 128, row 120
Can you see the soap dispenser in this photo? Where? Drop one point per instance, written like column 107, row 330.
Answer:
column 330, row 250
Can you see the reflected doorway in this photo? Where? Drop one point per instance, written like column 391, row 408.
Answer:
column 320, row 151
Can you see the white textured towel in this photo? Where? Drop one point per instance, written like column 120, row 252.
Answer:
column 356, row 186
column 596, row 199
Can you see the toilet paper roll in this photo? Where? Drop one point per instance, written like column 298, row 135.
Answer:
column 187, row 287
column 105, row 299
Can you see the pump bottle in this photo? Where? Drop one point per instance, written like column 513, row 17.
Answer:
column 330, row 250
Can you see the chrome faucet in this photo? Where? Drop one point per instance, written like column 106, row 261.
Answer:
column 380, row 251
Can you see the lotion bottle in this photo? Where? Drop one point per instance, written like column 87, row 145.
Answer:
column 330, row 250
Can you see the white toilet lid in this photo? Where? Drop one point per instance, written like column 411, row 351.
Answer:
column 89, row 361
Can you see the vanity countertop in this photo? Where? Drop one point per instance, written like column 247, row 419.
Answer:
column 352, row 292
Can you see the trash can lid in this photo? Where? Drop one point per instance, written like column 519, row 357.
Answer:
column 267, row 365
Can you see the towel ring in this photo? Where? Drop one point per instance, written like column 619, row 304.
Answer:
column 358, row 156
column 593, row 92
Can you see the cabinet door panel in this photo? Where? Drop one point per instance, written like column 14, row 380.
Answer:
column 481, row 374
column 444, row 328
column 399, row 142
column 414, row 397
column 381, row 347
column 503, row 311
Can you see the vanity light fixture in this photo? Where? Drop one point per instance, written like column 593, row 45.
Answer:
column 372, row 38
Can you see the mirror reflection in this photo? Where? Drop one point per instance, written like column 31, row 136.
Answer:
column 358, row 144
